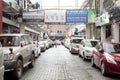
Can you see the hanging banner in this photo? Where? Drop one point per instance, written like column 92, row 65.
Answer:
column 55, row 16
column 91, row 15
column 33, row 15
column 76, row 16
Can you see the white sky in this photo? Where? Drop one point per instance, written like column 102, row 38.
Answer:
column 62, row 4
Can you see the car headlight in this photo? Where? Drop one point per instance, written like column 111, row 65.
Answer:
column 110, row 59
column 8, row 56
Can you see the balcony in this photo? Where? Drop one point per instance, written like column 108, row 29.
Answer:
column 10, row 6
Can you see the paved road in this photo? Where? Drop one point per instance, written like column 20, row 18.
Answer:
column 59, row 64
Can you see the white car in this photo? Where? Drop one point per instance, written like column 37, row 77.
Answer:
column 86, row 48
column 1, row 63
column 42, row 45
column 74, row 44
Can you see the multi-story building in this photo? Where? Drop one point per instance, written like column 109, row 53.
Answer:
column 55, row 30
column 12, row 17
column 110, row 26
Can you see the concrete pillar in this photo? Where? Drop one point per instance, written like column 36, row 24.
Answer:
column 22, row 28
column 93, row 33
column 116, row 36
column 0, row 16
column 88, row 31
column 103, row 31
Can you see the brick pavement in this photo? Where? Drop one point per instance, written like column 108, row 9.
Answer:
column 59, row 64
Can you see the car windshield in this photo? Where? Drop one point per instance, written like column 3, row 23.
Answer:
column 112, row 48
column 91, row 43
column 77, row 40
column 9, row 41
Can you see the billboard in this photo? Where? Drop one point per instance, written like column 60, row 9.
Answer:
column 32, row 15
column 91, row 15
column 76, row 16
column 55, row 16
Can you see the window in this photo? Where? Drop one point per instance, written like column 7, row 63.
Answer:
column 108, row 31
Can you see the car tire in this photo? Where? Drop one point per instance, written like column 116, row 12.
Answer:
column 92, row 62
column 103, row 69
column 17, row 73
column 31, row 65
column 84, row 57
column 79, row 54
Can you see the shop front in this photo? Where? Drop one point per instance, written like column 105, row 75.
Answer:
column 104, row 27
column 115, row 18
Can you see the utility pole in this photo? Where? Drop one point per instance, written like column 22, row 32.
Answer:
column 58, row 4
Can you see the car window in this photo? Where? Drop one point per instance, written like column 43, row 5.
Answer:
column 9, row 40
column 91, row 43
column 99, row 46
column 27, row 39
column 76, row 40
column 112, row 48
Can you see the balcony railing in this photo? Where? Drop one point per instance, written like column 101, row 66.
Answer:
column 12, row 4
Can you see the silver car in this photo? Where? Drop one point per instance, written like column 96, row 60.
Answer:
column 1, row 63
column 18, row 52
column 74, row 44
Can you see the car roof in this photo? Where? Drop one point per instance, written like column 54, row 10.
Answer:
column 90, row 40
column 111, row 42
column 76, row 38
column 12, row 34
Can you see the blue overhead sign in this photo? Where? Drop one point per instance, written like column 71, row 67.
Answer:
column 76, row 16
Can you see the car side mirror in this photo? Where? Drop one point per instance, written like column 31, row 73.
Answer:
column 22, row 44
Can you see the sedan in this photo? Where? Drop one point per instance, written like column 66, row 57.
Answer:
column 107, row 57
column 86, row 47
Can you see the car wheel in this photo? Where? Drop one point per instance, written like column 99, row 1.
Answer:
column 79, row 54
column 92, row 62
column 17, row 73
column 103, row 69
column 31, row 65
column 84, row 57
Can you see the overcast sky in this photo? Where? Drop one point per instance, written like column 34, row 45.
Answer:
column 63, row 4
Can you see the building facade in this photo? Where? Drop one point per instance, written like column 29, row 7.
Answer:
column 12, row 17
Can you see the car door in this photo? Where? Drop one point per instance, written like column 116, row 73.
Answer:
column 82, row 48
column 29, row 47
column 23, row 50
column 97, row 55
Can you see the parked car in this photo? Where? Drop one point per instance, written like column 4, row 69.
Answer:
column 37, row 49
column 86, row 48
column 67, row 43
column 18, row 53
column 107, row 57
column 42, row 44
column 1, row 63
column 74, row 44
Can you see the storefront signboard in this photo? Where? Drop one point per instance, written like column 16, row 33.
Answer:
column 102, row 20
column 91, row 15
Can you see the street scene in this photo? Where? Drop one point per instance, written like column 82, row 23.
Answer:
column 59, row 64
column 60, row 40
